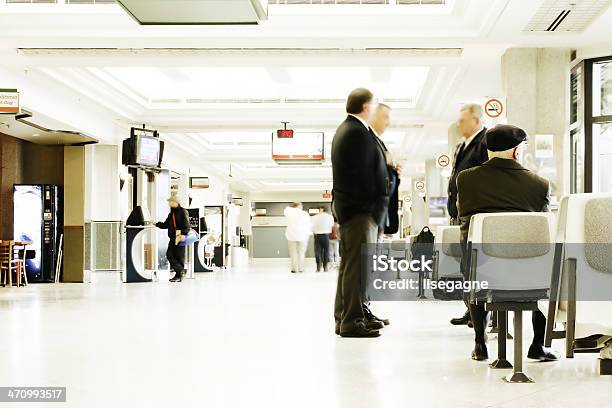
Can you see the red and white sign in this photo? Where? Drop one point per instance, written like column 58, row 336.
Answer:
column 493, row 108
column 443, row 161
column 419, row 185
column 9, row 101
column 302, row 146
column 327, row 195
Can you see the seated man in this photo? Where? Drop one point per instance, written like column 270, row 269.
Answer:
column 501, row 184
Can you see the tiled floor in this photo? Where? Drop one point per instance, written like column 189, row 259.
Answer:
column 259, row 337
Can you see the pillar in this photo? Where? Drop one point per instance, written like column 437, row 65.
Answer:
column 536, row 85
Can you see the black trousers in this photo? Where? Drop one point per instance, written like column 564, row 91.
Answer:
column 480, row 321
column 321, row 249
column 176, row 257
column 348, row 307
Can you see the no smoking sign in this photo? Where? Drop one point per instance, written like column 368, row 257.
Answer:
column 443, row 161
column 419, row 185
column 493, row 108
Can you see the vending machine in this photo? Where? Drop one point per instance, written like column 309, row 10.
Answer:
column 38, row 219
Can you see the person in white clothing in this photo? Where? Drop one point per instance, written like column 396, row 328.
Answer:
column 322, row 225
column 297, row 233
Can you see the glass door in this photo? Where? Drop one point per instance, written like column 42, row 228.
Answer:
column 602, row 126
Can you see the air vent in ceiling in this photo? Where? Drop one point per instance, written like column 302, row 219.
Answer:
column 566, row 15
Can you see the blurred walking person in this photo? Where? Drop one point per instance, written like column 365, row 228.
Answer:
column 297, row 233
column 322, row 224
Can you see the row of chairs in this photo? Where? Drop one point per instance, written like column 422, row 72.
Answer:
column 561, row 265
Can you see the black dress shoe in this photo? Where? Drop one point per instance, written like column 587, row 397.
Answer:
column 460, row 321
column 541, row 353
column 373, row 324
column 360, row 331
column 386, row 322
column 480, row 352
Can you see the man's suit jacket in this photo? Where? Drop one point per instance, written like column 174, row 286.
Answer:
column 391, row 225
column 499, row 185
column 473, row 155
column 361, row 179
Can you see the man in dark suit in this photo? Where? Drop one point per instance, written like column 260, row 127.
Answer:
column 360, row 201
column 502, row 185
column 471, row 152
column 380, row 122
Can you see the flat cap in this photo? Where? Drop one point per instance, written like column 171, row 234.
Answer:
column 504, row 137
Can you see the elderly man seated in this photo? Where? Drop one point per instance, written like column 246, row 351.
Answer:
column 501, row 184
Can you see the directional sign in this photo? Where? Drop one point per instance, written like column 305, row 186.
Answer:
column 443, row 161
column 9, row 101
column 493, row 108
column 419, row 185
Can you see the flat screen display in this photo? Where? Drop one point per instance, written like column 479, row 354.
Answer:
column 199, row 182
column 147, row 153
column 302, row 146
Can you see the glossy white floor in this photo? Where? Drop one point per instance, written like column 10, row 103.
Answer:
column 259, row 337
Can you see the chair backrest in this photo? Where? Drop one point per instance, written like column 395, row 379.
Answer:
column 514, row 249
column 448, row 239
column 588, row 239
column 6, row 251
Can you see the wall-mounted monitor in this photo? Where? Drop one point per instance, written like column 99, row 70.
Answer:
column 260, row 212
column 199, row 182
column 143, row 149
column 302, row 146
column 237, row 201
column 147, row 151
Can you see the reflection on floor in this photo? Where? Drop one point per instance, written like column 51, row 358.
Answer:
column 259, row 338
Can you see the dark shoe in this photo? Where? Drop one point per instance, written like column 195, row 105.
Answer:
column 463, row 320
column 480, row 352
column 470, row 324
column 539, row 352
column 360, row 331
column 373, row 324
column 292, row 271
column 337, row 331
column 386, row 322
column 177, row 278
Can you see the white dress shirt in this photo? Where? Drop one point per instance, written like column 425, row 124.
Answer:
column 322, row 223
column 298, row 224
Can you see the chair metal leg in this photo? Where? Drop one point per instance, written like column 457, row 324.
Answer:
column 494, row 323
column 518, row 376
column 570, row 329
column 502, row 325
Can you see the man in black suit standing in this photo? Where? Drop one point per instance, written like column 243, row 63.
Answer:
column 471, row 152
column 360, row 202
column 502, row 185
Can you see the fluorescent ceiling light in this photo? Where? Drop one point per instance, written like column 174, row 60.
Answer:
column 399, row 85
column 196, row 12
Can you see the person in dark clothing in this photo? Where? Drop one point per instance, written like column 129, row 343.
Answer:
column 471, row 152
column 360, row 202
column 177, row 224
column 501, row 185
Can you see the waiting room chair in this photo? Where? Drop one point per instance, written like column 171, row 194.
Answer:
column 12, row 260
column 581, row 283
column 513, row 253
column 448, row 253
